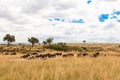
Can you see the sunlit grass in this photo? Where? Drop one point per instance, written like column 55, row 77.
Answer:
column 83, row 68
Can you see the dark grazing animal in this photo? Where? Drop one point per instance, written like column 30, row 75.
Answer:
column 48, row 55
column 80, row 54
column 1, row 48
column 84, row 54
column 58, row 54
column 67, row 55
column 51, row 55
column 42, row 56
column 95, row 54
column 6, row 54
column 105, row 55
column 13, row 53
column 38, row 56
column 25, row 56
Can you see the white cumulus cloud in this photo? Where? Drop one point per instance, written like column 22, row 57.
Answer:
column 26, row 18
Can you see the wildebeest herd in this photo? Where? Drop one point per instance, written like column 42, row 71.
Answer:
column 49, row 55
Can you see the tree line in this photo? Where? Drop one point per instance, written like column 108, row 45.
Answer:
column 33, row 40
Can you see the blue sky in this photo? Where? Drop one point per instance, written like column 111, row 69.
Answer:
column 64, row 20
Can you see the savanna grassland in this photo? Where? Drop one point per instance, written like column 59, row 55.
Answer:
column 106, row 66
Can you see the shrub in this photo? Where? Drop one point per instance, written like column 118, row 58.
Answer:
column 62, row 47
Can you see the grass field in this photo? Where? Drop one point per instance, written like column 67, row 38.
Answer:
column 70, row 68
column 84, row 68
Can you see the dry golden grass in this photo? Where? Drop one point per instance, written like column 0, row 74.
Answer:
column 73, row 68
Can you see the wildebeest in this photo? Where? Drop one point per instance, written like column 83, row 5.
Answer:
column 67, row 55
column 25, row 56
column 13, row 53
column 58, row 54
column 6, row 53
column 51, row 55
column 43, row 56
column 82, row 54
column 47, row 55
column 105, row 55
column 95, row 54
column 38, row 55
column 1, row 48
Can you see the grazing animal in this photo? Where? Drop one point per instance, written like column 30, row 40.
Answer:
column 51, row 55
column 84, row 54
column 1, row 48
column 48, row 55
column 95, row 54
column 13, row 53
column 6, row 53
column 105, row 55
column 38, row 55
column 25, row 56
column 58, row 54
column 43, row 56
column 67, row 55
column 80, row 54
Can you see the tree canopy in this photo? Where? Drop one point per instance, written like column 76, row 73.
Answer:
column 9, row 38
column 49, row 40
column 33, row 41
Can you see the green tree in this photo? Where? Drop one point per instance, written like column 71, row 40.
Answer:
column 49, row 40
column 44, row 42
column 33, row 41
column 9, row 38
column 84, row 41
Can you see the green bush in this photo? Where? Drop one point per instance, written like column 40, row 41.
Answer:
column 62, row 47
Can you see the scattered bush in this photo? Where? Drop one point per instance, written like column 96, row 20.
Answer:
column 62, row 47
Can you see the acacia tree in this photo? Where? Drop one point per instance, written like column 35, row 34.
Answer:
column 49, row 40
column 44, row 42
column 84, row 41
column 33, row 41
column 9, row 38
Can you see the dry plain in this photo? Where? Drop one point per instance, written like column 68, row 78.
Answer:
column 106, row 66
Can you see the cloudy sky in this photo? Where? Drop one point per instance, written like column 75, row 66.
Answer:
column 64, row 20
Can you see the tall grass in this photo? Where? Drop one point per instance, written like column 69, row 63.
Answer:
column 83, row 68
